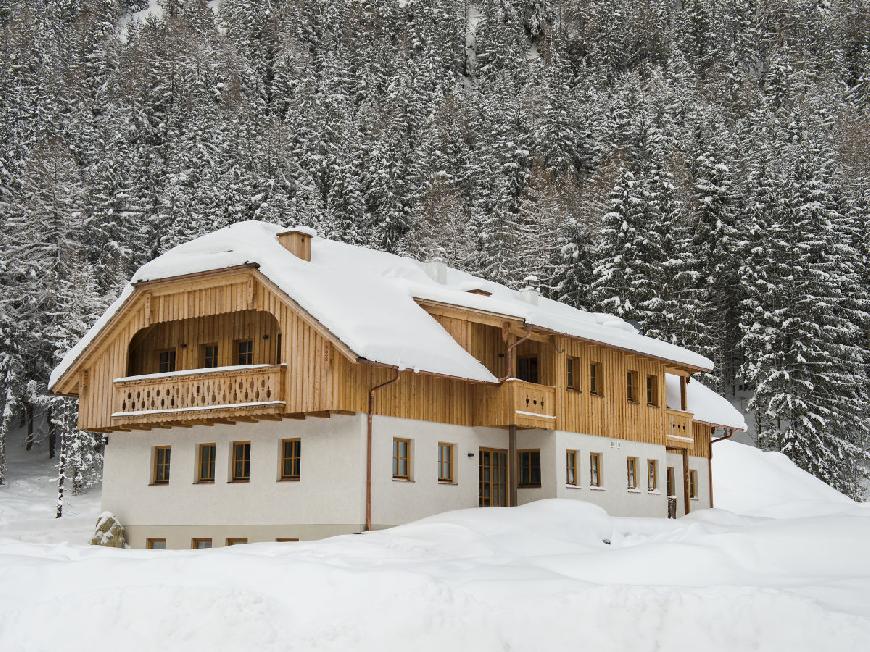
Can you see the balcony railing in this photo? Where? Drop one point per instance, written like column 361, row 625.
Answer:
column 517, row 403
column 198, row 394
column 679, row 429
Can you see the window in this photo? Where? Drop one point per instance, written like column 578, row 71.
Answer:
column 530, row 468
column 286, row 539
column 652, row 390
column 574, row 370
column 278, row 349
column 236, row 541
column 693, row 484
column 166, row 361
column 631, row 471
column 209, row 356
column 652, row 475
column 161, row 458
column 245, row 352
column 527, row 369
column 571, row 468
column 631, row 386
column 596, row 379
column 672, row 485
column 595, row 469
column 155, row 544
column 446, row 456
column 291, row 459
column 200, row 544
column 207, row 455
column 241, row 470
column 401, row 459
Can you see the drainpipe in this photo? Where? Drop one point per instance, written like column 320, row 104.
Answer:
column 371, row 408
column 729, row 432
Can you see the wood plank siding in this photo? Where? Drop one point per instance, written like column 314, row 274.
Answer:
column 317, row 374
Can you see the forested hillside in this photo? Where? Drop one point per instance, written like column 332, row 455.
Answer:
column 698, row 167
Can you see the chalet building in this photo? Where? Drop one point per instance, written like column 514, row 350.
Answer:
column 262, row 384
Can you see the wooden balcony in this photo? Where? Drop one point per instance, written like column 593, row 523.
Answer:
column 678, row 433
column 517, row 403
column 198, row 394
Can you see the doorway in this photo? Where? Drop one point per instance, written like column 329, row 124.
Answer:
column 493, row 477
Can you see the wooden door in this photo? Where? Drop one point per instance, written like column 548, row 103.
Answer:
column 493, row 477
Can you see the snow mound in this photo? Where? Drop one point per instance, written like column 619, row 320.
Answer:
column 750, row 481
column 704, row 403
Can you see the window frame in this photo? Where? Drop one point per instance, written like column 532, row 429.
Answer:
column 596, row 379
column 528, row 482
column 631, row 468
column 150, row 541
column 450, row 478
column 572, row 468
column 156, row 478
column 574, row 373
column 237, row 352
column 671, row 482
column 283, row 459
column 171, row 351
column 286, row 539
column 195, row 540
column 652, row 473
column 406, row 477
column 204, row 357
column 236, row 541
column 596, row 469
column 200, row 479
column 632, row 380
column 652, row 390
column 693, row 484
column 233, row 477
column 532, row 363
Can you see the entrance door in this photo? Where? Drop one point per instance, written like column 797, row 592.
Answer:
column 493, row 478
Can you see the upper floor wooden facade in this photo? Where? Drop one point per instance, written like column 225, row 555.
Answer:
column 230, row 346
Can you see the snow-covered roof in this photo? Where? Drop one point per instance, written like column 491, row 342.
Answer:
column 367, row 300
column 705, row 404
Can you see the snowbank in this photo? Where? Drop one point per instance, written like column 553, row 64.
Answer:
column 750, row 481
column 704, row 403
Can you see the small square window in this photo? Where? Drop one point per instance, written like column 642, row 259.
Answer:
column 209, row 356
column 245, row 352
column 200, row 544
column 155, row 544
column 166, row 361
column 241, row 466
column 236, row 541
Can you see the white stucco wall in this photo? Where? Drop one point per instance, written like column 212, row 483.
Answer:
column 400, row 501
column 330, row 492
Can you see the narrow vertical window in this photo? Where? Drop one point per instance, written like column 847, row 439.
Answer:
column 652, row 475
column 631, row 386
column 209, row 356
column 571, row 468
column 672, row 485
column 446, row 456
column 693, row 484
column 530, row 469
column 652, row 391
column 207, row 455
column 166, row 361
column 155, row 544
column 291, row 459
column 279, row 356
column 241, row 469
column 595, row 469
column 631, row 472
column 161, row 457
column 200, row 544
column 574, row 370
column 245, row 352
column 596, row 380
column 401, row 459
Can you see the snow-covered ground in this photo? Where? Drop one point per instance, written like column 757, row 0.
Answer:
column 552, row 575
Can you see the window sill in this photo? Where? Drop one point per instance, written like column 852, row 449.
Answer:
column 247, row 481
column 634, row 491
column 596, row 395
column 695, row 499
column 158, row 484
column 402, row 480
column 289, row 479
column 448, row 482
column 203, row 482
column 654, row 492
column 576, row 390
column 573, row 486
column 597, row 488
column 653, row 405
